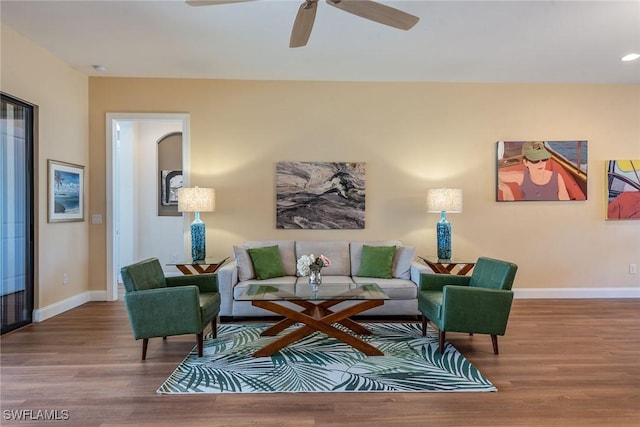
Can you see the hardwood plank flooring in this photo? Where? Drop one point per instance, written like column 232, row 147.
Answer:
column 561, row 363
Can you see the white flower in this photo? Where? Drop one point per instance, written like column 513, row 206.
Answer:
column 303, row 265
column 306, row 263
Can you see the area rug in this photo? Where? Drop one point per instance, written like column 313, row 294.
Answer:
column 411, row 363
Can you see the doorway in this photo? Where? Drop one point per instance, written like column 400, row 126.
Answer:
column 135, row 230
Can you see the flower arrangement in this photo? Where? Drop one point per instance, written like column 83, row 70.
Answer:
column 308, row 263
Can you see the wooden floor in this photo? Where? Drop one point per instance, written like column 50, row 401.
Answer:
column 562, row 363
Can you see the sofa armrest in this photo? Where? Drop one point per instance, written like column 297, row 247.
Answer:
column 206, row 283
column 227, row 280
column 437, row 281
column 418, row 269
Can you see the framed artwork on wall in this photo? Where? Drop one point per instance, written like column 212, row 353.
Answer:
column 541, row 170
column 65, row 192
column 623, row 189
column 170, row 182
column 320, row 195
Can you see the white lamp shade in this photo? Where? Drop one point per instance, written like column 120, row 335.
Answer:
column 444, row 199
column 196, row 199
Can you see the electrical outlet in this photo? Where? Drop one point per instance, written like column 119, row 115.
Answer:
column 65, row 279
column 633, row 268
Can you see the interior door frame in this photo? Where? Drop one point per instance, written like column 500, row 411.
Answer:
column 112, row 120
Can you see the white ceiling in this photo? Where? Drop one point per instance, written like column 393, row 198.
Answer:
column 454, row 41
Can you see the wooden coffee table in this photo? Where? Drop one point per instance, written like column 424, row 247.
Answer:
column 317, row 313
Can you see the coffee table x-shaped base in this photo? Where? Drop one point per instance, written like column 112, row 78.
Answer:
column 316, row 317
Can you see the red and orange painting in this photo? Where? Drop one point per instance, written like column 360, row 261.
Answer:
column 541, row 170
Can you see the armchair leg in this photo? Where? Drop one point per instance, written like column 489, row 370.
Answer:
column 441, row 343
column 145, row 344
column 200, row 343
column 214, row 327
column 425, row 321
column 494, row 341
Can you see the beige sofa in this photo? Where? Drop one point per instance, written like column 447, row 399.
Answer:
column 402, row 288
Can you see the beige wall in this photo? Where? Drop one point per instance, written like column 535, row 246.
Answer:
column 61, row 93
column 413, row 136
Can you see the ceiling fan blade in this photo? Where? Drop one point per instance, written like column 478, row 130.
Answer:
column 303, row 24
column 377, row 12
column 212, row 2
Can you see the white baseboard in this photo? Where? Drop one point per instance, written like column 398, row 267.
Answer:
column 533, row 293
column 59, row 307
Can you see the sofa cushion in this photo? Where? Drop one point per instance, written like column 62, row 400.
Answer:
column 377, row 261
column 287, row 252
column 336, row 251
column 355, row 249
column 267, row 262
column 402, row 260
column 243, row 261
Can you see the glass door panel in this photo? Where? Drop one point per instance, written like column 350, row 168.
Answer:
column 16, row 213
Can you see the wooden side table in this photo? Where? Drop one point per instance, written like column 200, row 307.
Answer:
column 447, row 266
column 198, row 267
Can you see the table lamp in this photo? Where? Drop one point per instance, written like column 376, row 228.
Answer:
column 197, row 200
column 444, row 200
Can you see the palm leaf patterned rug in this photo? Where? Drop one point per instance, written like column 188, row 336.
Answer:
column 317, row 363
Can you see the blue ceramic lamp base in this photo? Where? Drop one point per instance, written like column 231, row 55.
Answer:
column 444, row 237
column 198, row 245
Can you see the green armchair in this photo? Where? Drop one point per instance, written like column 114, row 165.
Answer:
column 160, row 306
column 479, row 303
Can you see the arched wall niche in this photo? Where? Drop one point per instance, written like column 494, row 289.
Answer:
column 170, row 173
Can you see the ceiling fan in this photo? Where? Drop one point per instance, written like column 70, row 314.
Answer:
column 306, row 16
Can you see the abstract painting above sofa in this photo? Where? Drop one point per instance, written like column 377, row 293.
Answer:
column 320, row 195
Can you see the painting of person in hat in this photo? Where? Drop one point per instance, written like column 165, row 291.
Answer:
column 536, row 181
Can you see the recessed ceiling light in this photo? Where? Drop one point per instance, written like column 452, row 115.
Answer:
column 99, row 68
column 630, row 57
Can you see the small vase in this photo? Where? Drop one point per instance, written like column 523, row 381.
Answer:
column 315, row 278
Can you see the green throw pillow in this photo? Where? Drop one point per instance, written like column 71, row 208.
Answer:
column 267, row 262
column 377, row 261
